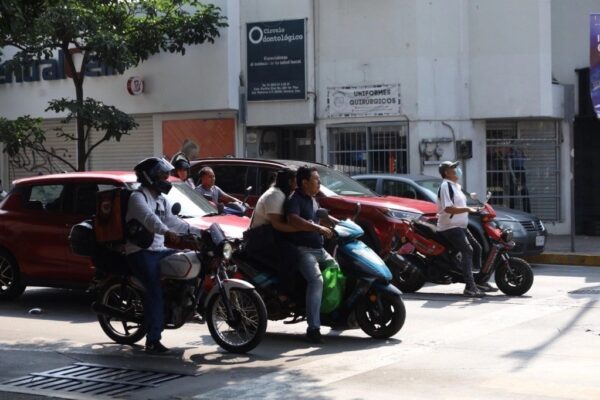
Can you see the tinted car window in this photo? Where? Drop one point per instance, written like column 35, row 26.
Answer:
column 231, row 178
column 341, row 184
column 46, row 197
column 399, row 189
column 371, row 183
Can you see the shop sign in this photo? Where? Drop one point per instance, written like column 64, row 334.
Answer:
column 595, row 62
column 49, row 70
column 276, row 60
column 135, row 86
column 358, row 101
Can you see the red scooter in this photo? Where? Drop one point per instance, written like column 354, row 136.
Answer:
column 426, row 256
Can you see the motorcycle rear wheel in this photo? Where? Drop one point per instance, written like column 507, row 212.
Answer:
column 247, row 329
column 380, row 315
column 516, row 280
column 408, row 278
column 128, row 300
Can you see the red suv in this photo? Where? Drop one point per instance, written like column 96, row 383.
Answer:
column 339, row 193
column 37, row 215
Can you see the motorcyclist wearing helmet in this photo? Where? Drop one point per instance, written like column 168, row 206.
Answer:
column 453, row 218
column 182, row 171
column 152, row 210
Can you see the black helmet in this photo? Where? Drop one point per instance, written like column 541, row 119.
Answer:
column 153, row 173
column 181, row 163
column 446, row 165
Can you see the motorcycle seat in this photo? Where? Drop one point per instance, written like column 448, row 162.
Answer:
column 430, row 231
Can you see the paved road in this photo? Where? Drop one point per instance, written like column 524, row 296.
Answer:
column 544, row 345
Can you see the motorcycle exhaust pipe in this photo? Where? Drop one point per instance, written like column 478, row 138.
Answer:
column 109, row 311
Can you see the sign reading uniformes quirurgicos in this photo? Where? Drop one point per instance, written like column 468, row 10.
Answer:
column 276, row 55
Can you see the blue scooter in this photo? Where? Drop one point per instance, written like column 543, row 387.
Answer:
column 370, row 302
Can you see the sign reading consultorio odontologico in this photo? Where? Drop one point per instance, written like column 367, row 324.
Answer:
column 371, row 100
column 276, row 60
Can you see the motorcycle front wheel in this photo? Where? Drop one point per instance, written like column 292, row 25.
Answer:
column 380, row 315
column 127, row 300
column 246, row 329
column 514, row 277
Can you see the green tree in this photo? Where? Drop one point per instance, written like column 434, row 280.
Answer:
column 119, row 33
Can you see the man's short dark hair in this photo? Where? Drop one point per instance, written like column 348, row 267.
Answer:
column 282, row 179
column 205, row 171
column 304, row 173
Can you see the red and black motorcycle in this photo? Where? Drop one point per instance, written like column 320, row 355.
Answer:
column 426, row 256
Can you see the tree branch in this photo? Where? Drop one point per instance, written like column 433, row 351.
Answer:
column 42, row 149
column 87, row 154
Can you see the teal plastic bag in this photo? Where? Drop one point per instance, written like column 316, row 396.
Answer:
column 334, row 286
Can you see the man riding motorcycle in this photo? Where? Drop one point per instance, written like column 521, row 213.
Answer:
column 152, row 211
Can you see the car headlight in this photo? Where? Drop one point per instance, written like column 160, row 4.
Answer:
column 400, row 214
column 227, row 250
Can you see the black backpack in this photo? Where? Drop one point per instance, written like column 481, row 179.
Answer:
column 450, row 192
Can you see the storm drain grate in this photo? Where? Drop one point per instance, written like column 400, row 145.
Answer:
column 92, row 380
column 585, row 291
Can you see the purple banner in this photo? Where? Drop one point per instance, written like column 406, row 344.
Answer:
column 595, row 62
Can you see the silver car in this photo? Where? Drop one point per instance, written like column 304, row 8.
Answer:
column 529, row 231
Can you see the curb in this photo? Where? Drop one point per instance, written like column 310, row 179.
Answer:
column 576, row 259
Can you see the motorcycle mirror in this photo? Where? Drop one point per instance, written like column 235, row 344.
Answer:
column 358, row 207
column 474, row 196
column 488, row 196
column 176, row 208
column 322, row 213
column 248, row 189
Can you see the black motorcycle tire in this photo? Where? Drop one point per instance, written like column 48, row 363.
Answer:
column 515, row 281
column 11, row 284
column 408, row 279
column 239, row 299
column 123, row 298
column 394, row 315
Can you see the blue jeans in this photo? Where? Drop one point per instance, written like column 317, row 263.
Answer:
column 308, row 264
column 146, row 267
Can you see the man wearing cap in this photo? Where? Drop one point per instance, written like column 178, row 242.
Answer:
column 453, row 218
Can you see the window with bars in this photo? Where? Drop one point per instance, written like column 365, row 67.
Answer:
column 523, row 166
column 369, row 148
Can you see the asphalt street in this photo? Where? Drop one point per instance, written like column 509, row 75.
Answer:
column 544, row 345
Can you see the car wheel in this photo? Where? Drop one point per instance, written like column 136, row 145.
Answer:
column 11, row 284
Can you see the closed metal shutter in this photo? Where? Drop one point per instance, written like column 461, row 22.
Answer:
column 523, row 166
column 125, row 154
column 108, row 156
column 29, row 164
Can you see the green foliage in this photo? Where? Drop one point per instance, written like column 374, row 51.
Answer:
column 120, row 33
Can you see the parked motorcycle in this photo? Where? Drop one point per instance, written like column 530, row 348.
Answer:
column 426, row 256
column 370, row 301
column 194, row 283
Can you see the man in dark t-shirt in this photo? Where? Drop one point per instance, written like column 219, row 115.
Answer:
column 300, row 211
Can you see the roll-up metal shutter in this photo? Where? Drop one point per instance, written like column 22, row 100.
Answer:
column 125, row 154
column 28, row 164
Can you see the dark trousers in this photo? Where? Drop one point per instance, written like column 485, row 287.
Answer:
column 462, row 240
column 146, row 267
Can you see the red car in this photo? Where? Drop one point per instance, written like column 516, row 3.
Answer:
column 379, row 215
column 38, row 213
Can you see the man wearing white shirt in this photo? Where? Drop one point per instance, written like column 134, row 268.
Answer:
column 453, row 218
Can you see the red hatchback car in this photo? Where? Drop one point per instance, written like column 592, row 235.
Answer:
column 38, row 213
column 379, row 216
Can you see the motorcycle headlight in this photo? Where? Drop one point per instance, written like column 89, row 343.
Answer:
column 227, row 250
column 400, row 214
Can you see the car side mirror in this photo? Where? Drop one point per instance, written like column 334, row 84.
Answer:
column 176, row 208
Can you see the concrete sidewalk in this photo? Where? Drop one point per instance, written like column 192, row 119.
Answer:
column 558, row 251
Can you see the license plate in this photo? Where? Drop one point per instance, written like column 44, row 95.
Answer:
column 540, row 240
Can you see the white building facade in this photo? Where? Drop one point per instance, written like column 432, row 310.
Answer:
column 391, row 86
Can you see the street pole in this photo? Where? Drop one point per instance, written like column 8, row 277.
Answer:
column 569, row 114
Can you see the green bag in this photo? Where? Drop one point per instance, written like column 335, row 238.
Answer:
column 334, row 286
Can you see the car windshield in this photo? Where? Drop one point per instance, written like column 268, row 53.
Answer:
column 336, row 183
column 192, row 203
column 433, row 185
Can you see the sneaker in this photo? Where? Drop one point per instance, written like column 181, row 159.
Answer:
column 486, row 287
column 473, row 292
column 156, row 347
column 314, row 335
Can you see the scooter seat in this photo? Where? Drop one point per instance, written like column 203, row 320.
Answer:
column 430, row 231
